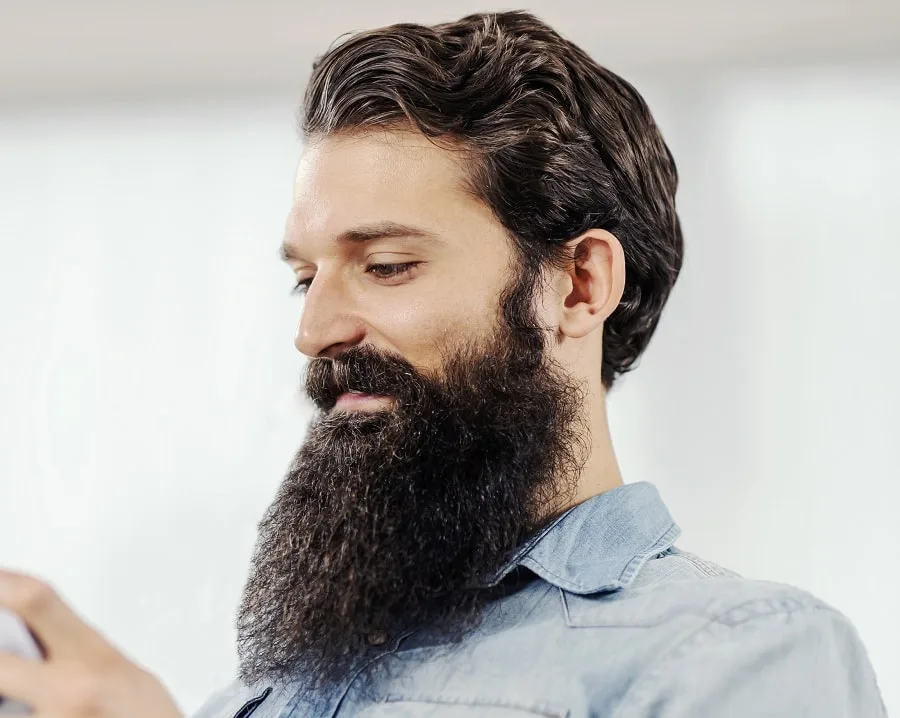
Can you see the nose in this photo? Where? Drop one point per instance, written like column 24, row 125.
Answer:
column 328, row 323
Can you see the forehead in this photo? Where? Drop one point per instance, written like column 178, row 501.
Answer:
column 349, row 179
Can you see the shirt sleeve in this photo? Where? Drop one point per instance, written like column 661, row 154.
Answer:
column 772, row 663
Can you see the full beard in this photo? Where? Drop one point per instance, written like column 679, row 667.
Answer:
column 394, row 520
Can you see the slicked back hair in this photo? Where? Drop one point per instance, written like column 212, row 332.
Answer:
column 554, row 144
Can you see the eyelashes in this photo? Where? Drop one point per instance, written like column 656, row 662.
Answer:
column 389, row 271
column 379, row 271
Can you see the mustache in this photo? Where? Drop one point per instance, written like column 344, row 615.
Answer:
column 364, row 370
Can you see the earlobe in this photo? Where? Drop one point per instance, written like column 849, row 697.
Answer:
column 597, row 275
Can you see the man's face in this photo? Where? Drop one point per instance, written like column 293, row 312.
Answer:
column 404, row 258
column 444, row 432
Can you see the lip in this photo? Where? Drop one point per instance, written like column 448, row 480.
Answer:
column 356, row 400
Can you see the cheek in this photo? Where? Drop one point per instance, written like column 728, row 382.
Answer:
column 423, row 329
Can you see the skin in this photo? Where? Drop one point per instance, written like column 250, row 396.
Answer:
column 83, row 675
column 365, row 183
column 357, row 184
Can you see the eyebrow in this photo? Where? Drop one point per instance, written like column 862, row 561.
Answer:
column 366, row 233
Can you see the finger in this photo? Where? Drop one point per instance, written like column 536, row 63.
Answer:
column 62, row 633
column 24, row 680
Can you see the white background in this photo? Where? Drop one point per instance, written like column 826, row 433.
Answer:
column 147, row 373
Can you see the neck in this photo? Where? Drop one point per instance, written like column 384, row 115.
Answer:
column 601, row 469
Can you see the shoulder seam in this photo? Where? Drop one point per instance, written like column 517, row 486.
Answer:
column 726, row 621
column 704, row 567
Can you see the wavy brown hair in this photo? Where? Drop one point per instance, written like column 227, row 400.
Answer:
column 555, row 144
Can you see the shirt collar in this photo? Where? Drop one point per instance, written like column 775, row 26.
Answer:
column 600, row 544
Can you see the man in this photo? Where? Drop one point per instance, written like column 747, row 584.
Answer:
column 484, row 230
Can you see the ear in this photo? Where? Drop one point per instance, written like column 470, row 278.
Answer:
column 592, row 284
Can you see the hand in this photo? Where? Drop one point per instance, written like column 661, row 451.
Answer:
column 82, row 676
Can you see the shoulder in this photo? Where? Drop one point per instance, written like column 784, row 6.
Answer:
column 755, row 647
column 684, row 610
column 683, row 592
column 707, row 639
column 675, row 564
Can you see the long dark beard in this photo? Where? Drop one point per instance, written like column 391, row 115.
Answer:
column 392, row 520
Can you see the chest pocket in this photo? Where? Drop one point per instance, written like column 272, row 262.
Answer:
column 397, row 707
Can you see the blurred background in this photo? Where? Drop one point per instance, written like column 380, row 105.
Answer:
column 148, row 380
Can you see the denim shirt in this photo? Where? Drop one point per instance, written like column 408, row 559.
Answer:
column 604, row 616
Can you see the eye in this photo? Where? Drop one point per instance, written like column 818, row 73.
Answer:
column 380, row 271
column 388, row 271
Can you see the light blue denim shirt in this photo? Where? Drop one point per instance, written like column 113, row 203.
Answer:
column 615, row 622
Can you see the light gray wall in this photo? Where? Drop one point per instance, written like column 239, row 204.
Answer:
column 51, row 49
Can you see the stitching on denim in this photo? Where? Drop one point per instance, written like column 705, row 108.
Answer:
column 631, row 567
column 644, row 682
column 697, row 563
column 548, row 711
